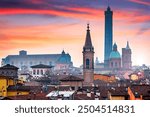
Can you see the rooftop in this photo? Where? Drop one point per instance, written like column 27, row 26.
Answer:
column 71, row 78
column 63, row 93
column 8, row 66
column 41, row 66
column 18, row 88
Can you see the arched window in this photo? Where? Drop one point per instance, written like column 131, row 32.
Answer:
column 87, row 63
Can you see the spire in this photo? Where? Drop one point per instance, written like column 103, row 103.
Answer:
column 88, row 27
column 127, row 47
column 108, row 8
column 63, row 52
column 88, row 42
column 115, row 47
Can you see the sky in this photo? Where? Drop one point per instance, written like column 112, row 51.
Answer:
column 49, row 26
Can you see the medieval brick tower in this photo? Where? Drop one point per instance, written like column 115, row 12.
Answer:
column 126, row 57
column 88, row 59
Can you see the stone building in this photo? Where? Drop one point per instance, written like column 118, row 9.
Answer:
column 24, row 61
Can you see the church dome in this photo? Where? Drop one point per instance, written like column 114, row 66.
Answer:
column 64, row 58
column 114, row 54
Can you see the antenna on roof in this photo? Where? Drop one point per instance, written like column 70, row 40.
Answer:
column 108, row 2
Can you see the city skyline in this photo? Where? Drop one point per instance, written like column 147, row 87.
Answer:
column 44, row 26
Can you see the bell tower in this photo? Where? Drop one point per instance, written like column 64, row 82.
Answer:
column 126, row 57
column 88, row 59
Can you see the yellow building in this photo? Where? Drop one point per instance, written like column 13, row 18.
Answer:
column 11, row 87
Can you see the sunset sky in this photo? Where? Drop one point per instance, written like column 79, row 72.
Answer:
column 49, row 26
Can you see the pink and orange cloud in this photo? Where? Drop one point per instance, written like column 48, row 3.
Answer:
column 141, row 2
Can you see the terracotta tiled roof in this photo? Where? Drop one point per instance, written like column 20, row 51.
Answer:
column 119, row 91
column 71, row 78
column 143, row 90
column 18, row 88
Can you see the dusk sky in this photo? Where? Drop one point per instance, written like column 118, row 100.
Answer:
column 49, row 26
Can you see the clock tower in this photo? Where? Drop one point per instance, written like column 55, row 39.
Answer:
column 88, row 59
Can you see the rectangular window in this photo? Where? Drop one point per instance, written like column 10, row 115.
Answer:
column 34, row 72
column 37, row 72
column 41, row 72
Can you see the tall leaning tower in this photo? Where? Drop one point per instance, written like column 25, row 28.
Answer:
column 88, row 59
column 108, row 35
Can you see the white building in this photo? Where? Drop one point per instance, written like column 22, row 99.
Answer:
column 40, row 70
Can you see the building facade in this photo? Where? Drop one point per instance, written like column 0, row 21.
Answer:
column 41, row 70
column 9, row 87
column 108, row 35
column 24, row 61
column 88, row 59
